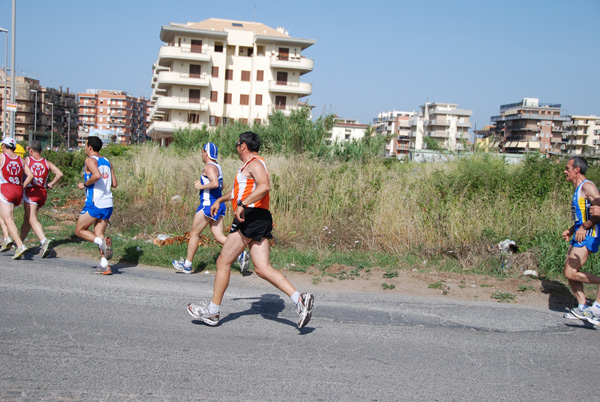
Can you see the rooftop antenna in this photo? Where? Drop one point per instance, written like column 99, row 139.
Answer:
column 254, row 16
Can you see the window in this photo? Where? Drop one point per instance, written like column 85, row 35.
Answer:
column 260, row 75
column 245, row 75
column 229, row 74
column 228, row 99
column 215, row 72
column 212, row 121
column 244, row 121
column 280, row 102
column 258, row 100
column 218, row 47
column 196, row 46
column 244, row 99
column 214, row 96
column 256, row 121
column 195, row 70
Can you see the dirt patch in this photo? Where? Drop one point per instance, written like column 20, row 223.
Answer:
column 523, row 290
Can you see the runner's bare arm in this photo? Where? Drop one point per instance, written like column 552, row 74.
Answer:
column 215, row 206
column 28, row 174
column 113, row 176
column 590, row 192
column 58, row 174
column 212, row 173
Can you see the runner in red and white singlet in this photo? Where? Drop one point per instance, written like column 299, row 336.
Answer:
column 36, row 193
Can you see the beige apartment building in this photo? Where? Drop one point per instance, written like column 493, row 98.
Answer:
column 116, row 114
column 215, row 71
column 346, row 130
column 529, row 125
column 42, row 112
column 444, row 123
column 397, row 125
column 582, row 135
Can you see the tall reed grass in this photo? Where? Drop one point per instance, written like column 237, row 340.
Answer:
column 384, row 206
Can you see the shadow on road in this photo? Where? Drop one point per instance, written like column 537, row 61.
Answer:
column 560, row 296
column 268, row 306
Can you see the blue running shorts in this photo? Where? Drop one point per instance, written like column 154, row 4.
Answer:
column 591, row 243
column 206, row 211
column 98, row 213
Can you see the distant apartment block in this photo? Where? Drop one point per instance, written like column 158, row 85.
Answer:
column 346, row 130
column 39, row 110
column 443, row 123
column 121, row 115
column 529, row 125
column 581, row 135
column 397, row 125
column 215, row 71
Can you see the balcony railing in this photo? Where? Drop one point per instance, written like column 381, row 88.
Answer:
column 293, row 62
column 300, row 88
column 167, row 78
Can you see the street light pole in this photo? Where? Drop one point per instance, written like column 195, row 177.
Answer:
column 35, row 114
column 51, row 126
column 5, row 79
column 68, row 113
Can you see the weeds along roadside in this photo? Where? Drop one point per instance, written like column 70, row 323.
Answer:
column 361, row 213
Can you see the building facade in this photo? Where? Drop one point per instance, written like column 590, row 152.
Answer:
column 42, row 112
column 529, row 125
column 397, row 125
column 214, row 71
column 122, row 116
column 581, row 135
column 443, row 123
column 346, row 130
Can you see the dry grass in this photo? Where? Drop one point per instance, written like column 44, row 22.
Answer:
column 316, row 205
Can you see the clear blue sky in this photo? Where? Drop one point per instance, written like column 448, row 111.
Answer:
column 370, row 56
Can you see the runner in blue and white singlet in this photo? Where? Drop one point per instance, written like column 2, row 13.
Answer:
column 580, row 212
column 208, row 196
column 98, row 195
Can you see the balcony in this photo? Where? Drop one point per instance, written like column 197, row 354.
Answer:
column 162, row 129
column 167, row 54
column 301, row 64
column 286, row 110
column 438, row 122
column 531, row 116
column 577, row 133
column 298, row 88
column 180, row 103
column 169, row 78
column 467, row 125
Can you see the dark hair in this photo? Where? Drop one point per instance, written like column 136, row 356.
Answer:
column 9, row 146
column 95, row 143
column 579, row 162
column 251, row 140
column 36, row 146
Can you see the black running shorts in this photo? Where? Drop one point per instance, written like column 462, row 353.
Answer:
column 257, row 224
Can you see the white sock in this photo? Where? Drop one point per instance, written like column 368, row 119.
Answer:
column 295, row 297
column 582, row 306
column 103, row 262
column 43, row 241
column 596, row 308
column 213, row 308
column 98, row 241
column 187, row 263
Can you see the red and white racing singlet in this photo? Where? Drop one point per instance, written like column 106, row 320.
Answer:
column 39, row 170
column 12, row 170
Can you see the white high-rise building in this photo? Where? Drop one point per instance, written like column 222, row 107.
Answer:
column 442, row 122
column 581, row 135
column 213, row 71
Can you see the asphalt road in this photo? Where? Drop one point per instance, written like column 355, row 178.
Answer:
column 68, row 335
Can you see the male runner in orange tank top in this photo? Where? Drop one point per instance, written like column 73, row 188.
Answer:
column 251, row 227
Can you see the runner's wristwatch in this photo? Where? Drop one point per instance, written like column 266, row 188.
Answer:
column 240, row 204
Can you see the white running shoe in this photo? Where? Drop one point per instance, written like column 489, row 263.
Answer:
column 305, row 306
column 180, row 266
column 244, row 260
column 200, row 312
column 20, row 252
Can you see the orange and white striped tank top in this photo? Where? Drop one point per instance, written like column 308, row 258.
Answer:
column 244, row 185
